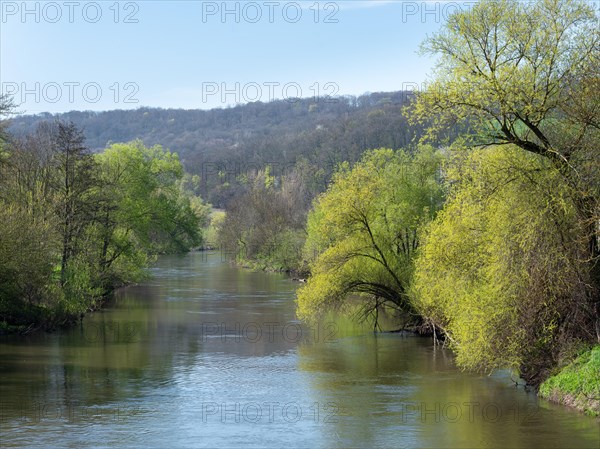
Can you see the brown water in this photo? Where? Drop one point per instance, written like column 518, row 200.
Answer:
column 207, row 355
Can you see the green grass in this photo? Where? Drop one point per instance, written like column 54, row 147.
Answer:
column 577, row 384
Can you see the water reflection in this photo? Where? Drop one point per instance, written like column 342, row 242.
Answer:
column 398, row 391
column 207, row 355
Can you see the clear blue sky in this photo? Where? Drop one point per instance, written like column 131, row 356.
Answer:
column 79, row 55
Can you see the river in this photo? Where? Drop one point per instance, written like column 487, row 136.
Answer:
column 208, row 355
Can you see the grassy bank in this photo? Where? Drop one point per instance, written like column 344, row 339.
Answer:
column 577, row 384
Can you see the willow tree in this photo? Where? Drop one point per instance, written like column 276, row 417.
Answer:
column 498, row 264
column 527, row 75
column 521, row 73
column 363, row 233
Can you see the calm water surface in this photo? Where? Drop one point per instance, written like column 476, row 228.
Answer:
column 207, row 355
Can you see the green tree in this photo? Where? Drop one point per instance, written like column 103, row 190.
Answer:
column 143, row 209
column 74, row 182
column 514, row 71
column 27, row 259
column 525, row 76
column 501, row 268
column 363, row 232
column 28, row 229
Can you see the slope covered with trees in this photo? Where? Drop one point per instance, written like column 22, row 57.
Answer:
column 223, row 145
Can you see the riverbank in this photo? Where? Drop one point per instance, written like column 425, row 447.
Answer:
column 50, row 319
column 577, row 384
column 267, row 266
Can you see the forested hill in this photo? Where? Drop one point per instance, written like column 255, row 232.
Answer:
column 220, row 144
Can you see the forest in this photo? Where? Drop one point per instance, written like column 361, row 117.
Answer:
column 469, row 211
column 222, row 145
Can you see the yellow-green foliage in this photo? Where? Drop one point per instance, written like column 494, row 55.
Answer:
column 494, row 268
column 216, row 219
column 362, row 233
column 507, row 66
column 27, row 259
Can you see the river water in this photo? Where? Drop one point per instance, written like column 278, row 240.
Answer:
column 208, row 355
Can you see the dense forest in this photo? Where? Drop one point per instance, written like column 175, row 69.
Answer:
column 223, row 145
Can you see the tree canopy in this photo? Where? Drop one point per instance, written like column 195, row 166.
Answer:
column 501, row 270
column 363, row 231
column 519, row 73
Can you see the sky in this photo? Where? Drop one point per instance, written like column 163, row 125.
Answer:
column 78, row 55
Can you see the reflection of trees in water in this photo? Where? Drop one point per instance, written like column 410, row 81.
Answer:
column 365, row 378
column 398, row 389
column 145, row 334
column 105, row 373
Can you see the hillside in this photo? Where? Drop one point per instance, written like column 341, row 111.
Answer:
column 221, row 144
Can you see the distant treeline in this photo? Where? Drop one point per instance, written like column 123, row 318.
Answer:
column 224, row 146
